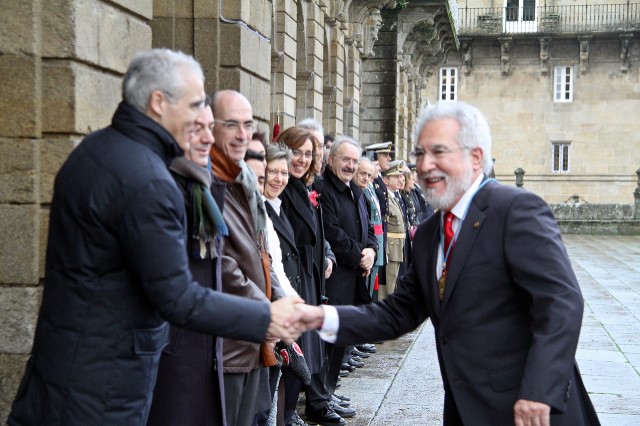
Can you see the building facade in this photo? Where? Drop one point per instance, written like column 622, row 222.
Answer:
column 354, row 65
column 560, row 84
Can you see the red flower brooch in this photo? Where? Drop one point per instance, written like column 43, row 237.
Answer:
column 313, row 197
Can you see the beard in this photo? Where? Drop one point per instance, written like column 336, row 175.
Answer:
column 455, row 188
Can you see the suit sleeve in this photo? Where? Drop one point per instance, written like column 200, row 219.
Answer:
column 390, row 318
column 151, row 234
column 539, row 265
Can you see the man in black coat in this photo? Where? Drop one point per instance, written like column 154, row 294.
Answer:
column 352, row 239
column 495, row 279
column 116, row 264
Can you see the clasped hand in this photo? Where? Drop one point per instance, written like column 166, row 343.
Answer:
column 290, row 317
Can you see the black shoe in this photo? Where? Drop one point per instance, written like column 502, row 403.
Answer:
column 347, row 367
column 367, row 347
column 356, row 364
column 338, row 401
column 355, row 358
column 342, row 397
column 297, row 421
column 343, row 373
column 325, row 416
column 344, row 412
column 361, row 354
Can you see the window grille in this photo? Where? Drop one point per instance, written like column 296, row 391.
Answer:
column 561, row 157
column 448, row 83
column 563, row 84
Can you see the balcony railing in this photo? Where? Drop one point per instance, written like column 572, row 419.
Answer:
column 550, row 19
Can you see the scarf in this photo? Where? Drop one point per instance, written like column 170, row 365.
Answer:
column 207, row 220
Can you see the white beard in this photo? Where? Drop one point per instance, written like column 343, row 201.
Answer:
column 455, row 188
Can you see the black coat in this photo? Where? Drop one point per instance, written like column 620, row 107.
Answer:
column 116, row 270
column 187, row 390
column 310, row 342
column 309, row 235
column 346, row 223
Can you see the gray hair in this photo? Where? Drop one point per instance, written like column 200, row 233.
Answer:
column 474, row 128
column 311, row 124
column 157, row 69
column 278, row 151
column 340, row 140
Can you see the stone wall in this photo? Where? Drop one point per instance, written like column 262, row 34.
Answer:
column 60, row 64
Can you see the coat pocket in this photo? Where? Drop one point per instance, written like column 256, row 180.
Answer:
column 506, row 378
column 150, row 341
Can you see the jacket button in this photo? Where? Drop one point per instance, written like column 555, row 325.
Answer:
column 295, row 256
column 298, row 279
column 444, row 340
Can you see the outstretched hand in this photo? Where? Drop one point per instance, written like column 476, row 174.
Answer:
column 311, row 317
column 285, row 320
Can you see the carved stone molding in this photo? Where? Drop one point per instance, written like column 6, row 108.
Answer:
column 544, row 55
column 584, row 53
column 505, row 54
column 465, row 48
column 625, row 43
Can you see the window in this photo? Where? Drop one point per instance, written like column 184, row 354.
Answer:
column 561, row 157
column 449, row 84
column 563, row 84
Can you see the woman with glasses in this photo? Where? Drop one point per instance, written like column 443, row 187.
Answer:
column 303, row 212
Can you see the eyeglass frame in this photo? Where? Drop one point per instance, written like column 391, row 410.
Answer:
column 273, row 173
column 234, row 126
column 296, row 153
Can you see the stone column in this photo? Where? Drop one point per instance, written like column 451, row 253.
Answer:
column 636, row 195
column 379, row 84
column 61, row 66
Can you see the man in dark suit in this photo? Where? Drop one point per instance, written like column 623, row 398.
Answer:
column 504, row 302
column 346, row 225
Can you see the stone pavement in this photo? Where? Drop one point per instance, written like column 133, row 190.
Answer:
column 401, row 385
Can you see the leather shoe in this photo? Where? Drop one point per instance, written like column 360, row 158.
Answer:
column 339, row 401
column 325, row 416
column 367, row 347
column 347, row 367
column 355, row 363
column 343, row 373
column 344, row 412
column 361, row 354
column 342, row 397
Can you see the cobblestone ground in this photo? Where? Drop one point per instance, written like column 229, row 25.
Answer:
column 401, row 385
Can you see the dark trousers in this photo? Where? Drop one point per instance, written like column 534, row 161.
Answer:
column 336, row 356
column 241, row 390
column 317, row 396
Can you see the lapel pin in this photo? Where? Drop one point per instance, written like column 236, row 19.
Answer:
column 476, row 224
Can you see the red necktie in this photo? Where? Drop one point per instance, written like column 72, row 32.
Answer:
column 448, row 231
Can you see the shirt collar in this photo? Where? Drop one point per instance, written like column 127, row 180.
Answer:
column 461, row 206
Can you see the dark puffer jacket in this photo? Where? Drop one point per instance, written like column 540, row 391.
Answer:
column 116, row 269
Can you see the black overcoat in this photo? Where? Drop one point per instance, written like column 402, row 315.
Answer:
column 310, row 342
column 347, row 229
column 116, row 270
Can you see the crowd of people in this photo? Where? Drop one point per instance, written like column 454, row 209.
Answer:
column 184, row 211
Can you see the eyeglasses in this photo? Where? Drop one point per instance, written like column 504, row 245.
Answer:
column 436, row 152
column 273, row 173
column 234, row 126
column 296, row 153
column 348, row 160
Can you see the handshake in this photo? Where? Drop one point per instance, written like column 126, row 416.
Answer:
column 290, row 317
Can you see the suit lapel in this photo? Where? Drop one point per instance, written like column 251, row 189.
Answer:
column 281, row 228
column 466, row 240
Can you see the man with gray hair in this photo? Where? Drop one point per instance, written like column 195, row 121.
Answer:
column 347, row 229
column 495, row 279
column 116, row 266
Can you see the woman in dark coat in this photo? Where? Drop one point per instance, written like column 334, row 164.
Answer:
column 303, row 211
